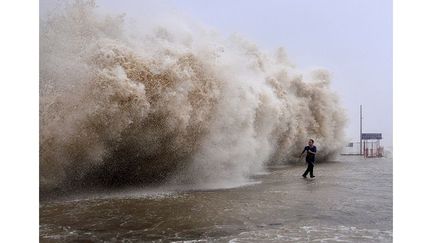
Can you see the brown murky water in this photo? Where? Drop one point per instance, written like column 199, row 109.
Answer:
column 350, row 200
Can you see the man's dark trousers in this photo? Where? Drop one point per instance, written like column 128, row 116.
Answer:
column 309, row 169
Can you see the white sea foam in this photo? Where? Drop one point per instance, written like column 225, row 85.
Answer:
column 170, row 101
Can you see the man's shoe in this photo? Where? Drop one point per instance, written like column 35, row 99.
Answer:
column 304, row 176
column 312, row 176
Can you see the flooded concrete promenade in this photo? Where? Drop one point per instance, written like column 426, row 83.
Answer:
column 350, row 200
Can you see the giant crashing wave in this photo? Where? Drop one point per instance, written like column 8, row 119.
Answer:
column 170, row 102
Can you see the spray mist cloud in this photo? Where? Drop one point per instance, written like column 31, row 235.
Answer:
column 166, row 101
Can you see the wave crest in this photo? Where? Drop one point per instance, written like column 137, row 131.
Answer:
column 117, row 107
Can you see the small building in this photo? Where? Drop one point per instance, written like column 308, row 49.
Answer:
column 371, row 146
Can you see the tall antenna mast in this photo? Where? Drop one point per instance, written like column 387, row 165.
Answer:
column 361, row 118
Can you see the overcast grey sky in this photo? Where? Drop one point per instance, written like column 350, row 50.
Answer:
column 351, row 38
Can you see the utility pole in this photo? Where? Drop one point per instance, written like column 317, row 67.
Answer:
column 361, row 118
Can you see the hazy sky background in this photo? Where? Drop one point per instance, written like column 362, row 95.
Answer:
column 350, row 38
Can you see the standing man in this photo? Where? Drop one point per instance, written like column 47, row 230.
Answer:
column 310, row 158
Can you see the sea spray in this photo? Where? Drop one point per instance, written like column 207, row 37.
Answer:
column 170, row 102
